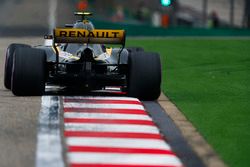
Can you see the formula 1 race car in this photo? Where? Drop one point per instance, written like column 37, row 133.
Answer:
column 79, row 59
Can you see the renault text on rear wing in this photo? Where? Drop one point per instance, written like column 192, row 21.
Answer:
column 98, row 36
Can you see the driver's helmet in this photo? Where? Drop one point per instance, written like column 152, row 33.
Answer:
column 84, row 25
column 78, row 48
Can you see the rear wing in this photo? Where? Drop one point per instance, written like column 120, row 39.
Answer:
column 97, row 36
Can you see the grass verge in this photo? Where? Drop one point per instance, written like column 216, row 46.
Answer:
column 209, row 81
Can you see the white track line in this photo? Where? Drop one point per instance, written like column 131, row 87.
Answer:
column 124, row 159
column 117, row 142
column 49, row 148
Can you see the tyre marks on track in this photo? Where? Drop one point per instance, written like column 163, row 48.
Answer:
column 113, row 132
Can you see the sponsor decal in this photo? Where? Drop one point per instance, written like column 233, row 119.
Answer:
column 85, row 36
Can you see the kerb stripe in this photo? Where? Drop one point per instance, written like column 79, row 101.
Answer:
column 113, row 132
column 97, row 127
column 117, row 142
column 112, row 135
column 108, row 121
column 104, row 106
column 119, row 165
column 101, row 98
column 108, row 111
column 106, row 116
column 102, row 101
column 118, row 150
column 122, row 158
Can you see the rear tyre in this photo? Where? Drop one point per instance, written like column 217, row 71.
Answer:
column 135, row 49
column 28, row 73
column 144, row 77
column 9, row 63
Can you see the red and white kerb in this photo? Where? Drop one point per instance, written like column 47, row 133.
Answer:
column 113, row 132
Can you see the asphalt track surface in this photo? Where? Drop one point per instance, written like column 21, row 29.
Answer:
column 19, row 124
column 18, row 119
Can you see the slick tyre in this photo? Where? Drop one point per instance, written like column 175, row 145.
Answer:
column 144, row 76
column 9, row 63
column 135, row 49
column 28, row 72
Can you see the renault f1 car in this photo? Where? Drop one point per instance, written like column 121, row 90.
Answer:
column 79, row 59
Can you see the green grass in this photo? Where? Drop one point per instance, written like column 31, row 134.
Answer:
column 209, row 81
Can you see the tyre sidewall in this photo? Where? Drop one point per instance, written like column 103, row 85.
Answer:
column 144, row 80
column 28, row 72
column 9, row 63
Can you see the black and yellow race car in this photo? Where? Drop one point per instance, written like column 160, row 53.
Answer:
column 78, row 59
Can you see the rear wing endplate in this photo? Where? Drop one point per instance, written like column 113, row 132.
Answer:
column 97, row 36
